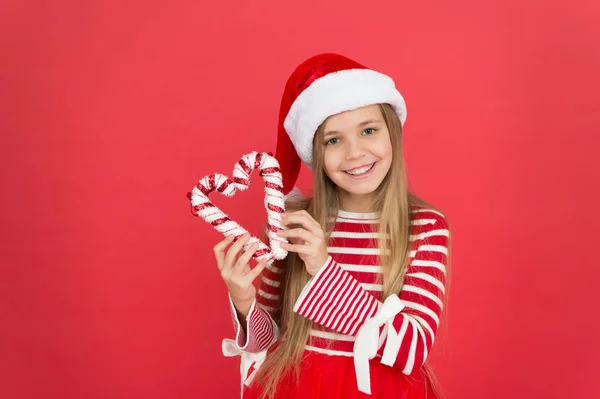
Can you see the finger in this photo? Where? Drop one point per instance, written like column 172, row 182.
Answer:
column 221, row 245
column 294, row 240
column 303, row 220
column 245, row 258
column 297, row 248
column 234, row 250
column 219, row 250
column 247, row 269
column 254, row 273
column 310, row 217
column 302, row 234
column 293, row 222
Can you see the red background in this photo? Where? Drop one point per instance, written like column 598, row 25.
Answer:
column 111, row 111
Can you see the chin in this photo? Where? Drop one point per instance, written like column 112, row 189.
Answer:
column 359, row 191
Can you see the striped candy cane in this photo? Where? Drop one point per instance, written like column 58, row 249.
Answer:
column 274, row 202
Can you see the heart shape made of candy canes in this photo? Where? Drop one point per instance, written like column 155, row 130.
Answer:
column 274, row 202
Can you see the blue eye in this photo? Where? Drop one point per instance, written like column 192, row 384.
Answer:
column 369, row 131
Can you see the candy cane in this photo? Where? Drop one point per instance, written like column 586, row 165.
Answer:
column 274, row 202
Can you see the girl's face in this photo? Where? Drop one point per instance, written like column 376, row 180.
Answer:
column 357, row 153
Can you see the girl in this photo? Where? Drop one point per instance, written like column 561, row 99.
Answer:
column 353, row 311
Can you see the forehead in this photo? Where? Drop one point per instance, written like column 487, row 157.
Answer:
column 350, row 119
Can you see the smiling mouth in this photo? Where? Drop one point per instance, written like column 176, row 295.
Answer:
column 360, row 171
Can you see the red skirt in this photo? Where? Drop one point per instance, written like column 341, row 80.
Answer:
column 332, row 377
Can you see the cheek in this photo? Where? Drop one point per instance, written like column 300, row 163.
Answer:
column 330, row 160
column 384, row 147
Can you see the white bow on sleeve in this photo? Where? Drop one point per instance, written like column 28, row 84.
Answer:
column 367, row 341
column 230, row 349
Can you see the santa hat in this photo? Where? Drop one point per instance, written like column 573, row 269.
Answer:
column 321, row 86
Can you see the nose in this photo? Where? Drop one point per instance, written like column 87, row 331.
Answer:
column 354, row 149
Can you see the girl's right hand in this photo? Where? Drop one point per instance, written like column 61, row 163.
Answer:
column 236, row 273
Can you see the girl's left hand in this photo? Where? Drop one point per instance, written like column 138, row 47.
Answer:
column 308, row 242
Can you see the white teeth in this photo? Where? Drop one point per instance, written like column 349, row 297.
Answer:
column 361, row 170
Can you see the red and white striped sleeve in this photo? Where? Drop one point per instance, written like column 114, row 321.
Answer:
column 335, row 299
column 261, row 326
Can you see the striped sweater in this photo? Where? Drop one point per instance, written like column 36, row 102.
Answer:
column 347, row 291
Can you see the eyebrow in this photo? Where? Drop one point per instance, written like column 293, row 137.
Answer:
column 329, row 133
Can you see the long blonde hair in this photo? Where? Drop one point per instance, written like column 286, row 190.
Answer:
column 392, row 198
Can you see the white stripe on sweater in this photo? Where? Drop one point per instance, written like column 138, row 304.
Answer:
column 422, row 335
column 361, row 268
column 274, row 268
column 403, row 329
column 268, row 308
column 432, row 233
column 413, row 348
column 267, row 295
column 429, row 263
column 353, row 251
column 433, row 248
column 428, row 278
column 428, row 210
column 422, row 222
column 423, row 309
column 270, row 282
column 350, row 234
column 372, row 287
column 426, row 325
column 358, row 221
column 423, row 292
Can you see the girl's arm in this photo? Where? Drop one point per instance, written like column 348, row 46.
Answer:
column 404, row 329
column 256, row 330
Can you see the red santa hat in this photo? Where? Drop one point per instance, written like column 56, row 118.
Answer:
column 325, row 85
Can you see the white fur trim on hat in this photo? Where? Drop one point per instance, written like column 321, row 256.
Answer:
column 334, row 93
column 295, row 194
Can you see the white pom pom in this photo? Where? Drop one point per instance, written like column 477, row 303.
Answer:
column 295, row 194
column 278, row 252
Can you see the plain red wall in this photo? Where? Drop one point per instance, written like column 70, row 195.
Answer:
column 110, row 112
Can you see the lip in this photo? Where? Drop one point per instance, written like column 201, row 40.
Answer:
column 358, row 167
column 363, row 176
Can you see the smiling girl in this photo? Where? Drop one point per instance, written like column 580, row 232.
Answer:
column 354, row 309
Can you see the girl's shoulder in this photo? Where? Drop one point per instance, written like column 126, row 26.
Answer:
column 426, row 211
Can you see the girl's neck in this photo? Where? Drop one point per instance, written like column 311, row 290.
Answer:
column 356, row 204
